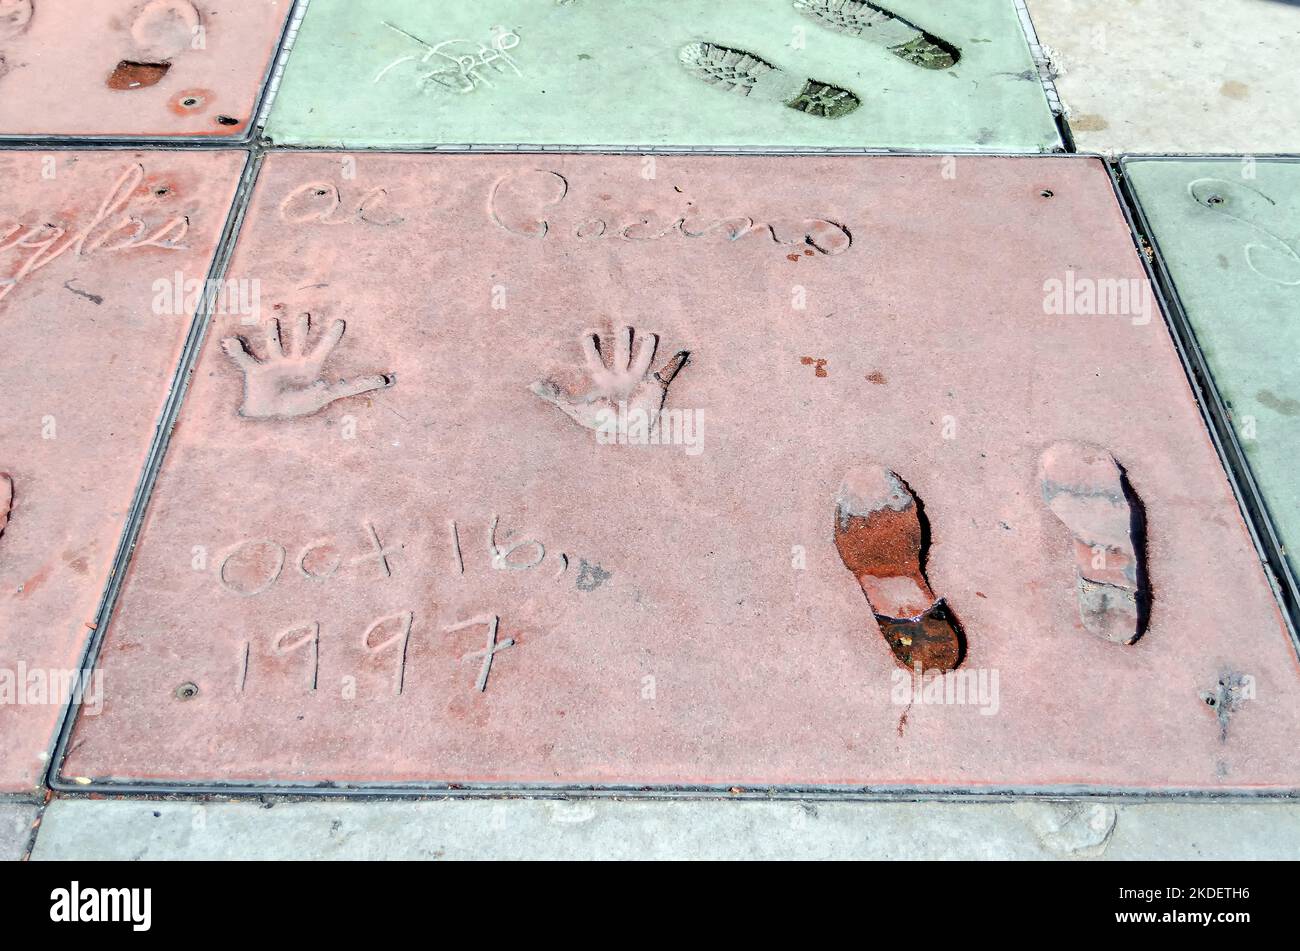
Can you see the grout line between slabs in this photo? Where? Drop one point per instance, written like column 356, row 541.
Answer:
column 371, row 792
column 279, row 65
column 222, row 253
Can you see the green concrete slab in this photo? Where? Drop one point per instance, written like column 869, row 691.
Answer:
column 1228, row 232
column 406, row 73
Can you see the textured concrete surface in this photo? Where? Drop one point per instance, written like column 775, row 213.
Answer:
column 607, row 72
column 602, row 829
column 89, row 349
column 1193, row 76
column 321, row 577
column 1229, row 233
column 15, row 829
column 135, row 67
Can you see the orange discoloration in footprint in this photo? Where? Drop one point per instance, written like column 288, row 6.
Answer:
column 880, row 534
column 876, row 377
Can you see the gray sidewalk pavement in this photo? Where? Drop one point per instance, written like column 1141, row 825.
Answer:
column 666, row 829
column 15, row 829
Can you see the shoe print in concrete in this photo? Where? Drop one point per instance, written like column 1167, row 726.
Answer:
column 1090, row 493
column 454, row 580
column 878, row 25
column 745, row 74
column 882, row 537
column 102, row 255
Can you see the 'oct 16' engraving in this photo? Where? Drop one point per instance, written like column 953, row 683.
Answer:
column 253, row 566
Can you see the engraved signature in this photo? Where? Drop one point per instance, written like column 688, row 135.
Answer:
column 322, row 203
column 518, row 203
column 45, row 244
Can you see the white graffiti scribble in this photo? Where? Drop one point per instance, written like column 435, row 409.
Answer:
column 461, row 66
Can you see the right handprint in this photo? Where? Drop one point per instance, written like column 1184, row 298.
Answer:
column 628, row 384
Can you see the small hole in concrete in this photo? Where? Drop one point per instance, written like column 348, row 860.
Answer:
column 227, row 120
column 1214, row 200
column 187, row 691
column 1047, row 193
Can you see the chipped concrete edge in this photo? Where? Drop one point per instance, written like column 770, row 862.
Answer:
column 1047, row 73
column 1042, row 58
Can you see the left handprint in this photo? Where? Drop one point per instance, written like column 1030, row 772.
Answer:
column 287, row 385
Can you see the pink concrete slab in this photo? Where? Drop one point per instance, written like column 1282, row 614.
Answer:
column 91, row 244
column 155, row 68
column 451, row 577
